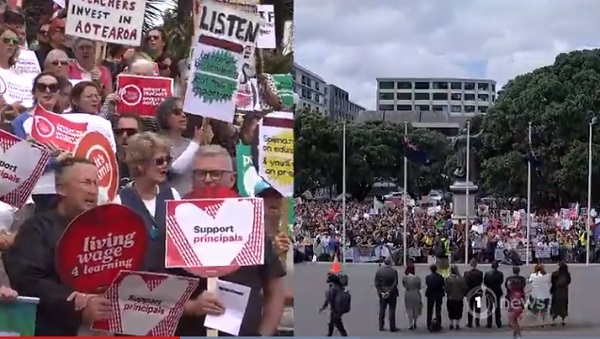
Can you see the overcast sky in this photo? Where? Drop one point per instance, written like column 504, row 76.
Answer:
column 351, row 42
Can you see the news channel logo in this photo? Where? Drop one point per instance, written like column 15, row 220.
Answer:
column 482, row 303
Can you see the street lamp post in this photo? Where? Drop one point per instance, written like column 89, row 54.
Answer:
column 589, row 198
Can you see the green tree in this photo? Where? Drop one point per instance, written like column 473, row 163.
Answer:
column 559, row 100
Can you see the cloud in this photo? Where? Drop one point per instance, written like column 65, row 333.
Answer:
column 352, row 42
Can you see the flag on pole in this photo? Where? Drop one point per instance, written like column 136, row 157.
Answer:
column 17, row 318
column 414, row 153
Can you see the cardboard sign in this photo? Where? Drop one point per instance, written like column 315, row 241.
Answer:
column 27, row 63
column 219, row 58
column 215, row 234
column 248, row 98
column 99, row 244
column 16, row 87
column 21, row 165
column 95, row 147
column 276, row 151
column 118, row 22
column 146, row 304
column 141, row 95
column 266, row 38
column 54, row 128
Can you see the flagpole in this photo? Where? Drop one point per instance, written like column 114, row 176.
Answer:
column 589, row 202
column 528, row 220
column 404, row 202
column 344, row 192
column 467, row 211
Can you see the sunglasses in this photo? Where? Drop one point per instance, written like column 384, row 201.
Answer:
column 128, row 131
column 61, row 62
column 162, row 161
column 10, row 41
column 152, row 37
column 178, row 111
column 213, row 174
column 52, row 88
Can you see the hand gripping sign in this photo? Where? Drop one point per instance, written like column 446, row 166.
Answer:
column 98, row 244
column 141, row 94
column 56, row 129
column 146, row 304
column 95, row 147
column 21, row 165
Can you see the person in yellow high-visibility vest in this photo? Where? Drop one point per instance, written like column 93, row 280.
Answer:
column 442, row 255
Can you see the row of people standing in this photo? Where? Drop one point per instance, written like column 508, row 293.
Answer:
column 549, row 292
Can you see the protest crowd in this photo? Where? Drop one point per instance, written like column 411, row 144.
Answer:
column 113, row 150
column 374, row 231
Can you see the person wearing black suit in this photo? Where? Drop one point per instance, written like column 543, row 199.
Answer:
column 386, row 283
column 474, row 279
column 493, row 281
column 435, row 295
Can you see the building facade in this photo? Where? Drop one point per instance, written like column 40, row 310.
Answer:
column 340, row 107
column 454, row 96
column 311, row 88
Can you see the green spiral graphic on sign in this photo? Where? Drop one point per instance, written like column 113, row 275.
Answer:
column 215, row 78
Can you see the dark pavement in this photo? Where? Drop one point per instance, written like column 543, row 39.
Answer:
column 310, row 285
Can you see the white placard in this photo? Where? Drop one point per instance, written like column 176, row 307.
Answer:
column 27, row 63
column 266, row 37
column 16, row 87
column 118, row 22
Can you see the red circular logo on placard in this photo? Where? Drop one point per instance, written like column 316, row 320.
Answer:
column 95, row 147
column 214, row 192
column 99, row 244
column 131, row 95
column 43, row 126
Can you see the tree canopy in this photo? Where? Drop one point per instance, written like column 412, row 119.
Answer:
column 559, row 100
column 374, row 153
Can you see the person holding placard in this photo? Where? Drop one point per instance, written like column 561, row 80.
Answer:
column 86, row 67
column 57, row 62
column 213, row 166
column 30, row 262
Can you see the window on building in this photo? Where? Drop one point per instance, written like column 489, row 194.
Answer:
column 493, row 98
column 317, row 109
column 294, row 76
column 326, row 89
column 456, row 85
column 303, row 80
column 386, row 107
column 469, row 97
column 440, row 96
column 469, row 86
column 482, row 86
column 386, row 96
column 483, row 97
column 483, row 109
column 386, row 84
column 494, row 88
column 404, row 108
column 438, row 108
column 469, row 109
column 456, row 108
column 317, row 86
column 421, row 85
column 404, row 96
column 456, row 96
column 303, row 93
column 404, row 85
column 423, row 108
column 421, row 96
column 346, row 96
column 308, row 82
column 440, row 85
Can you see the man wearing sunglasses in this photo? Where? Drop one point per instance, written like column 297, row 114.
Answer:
column 57, row 39
column 127, row 125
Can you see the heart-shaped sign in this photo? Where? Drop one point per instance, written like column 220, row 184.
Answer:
column 139, row 318
column 21, row 165
column 209, row 237
column 98, row 244
column 146, row 304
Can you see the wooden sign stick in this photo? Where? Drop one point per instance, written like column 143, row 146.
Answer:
column 283, row 228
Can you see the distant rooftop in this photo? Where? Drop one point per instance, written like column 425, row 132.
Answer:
column 424, row 119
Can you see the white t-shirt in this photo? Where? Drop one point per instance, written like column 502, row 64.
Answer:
column 150, row 204
column 540, row 285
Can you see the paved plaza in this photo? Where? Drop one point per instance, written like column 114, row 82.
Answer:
column 310, row 285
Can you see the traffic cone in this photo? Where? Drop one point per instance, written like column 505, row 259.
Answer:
column 335, row 267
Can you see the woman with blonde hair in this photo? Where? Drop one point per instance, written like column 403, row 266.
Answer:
column 540, row 292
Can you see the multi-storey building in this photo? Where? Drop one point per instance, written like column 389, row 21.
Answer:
column 311, row 88
column 340, row 106
column 452, row 95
